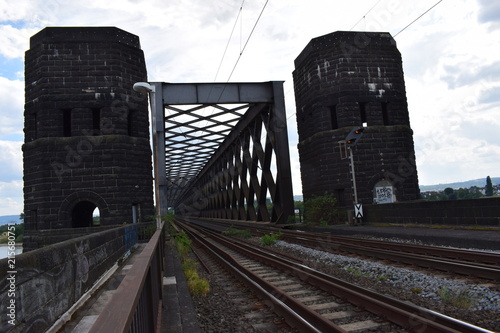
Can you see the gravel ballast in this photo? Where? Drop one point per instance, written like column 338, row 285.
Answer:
column 480, row 302
column 424, row 285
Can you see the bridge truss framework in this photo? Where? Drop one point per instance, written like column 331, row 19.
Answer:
column 221, row 150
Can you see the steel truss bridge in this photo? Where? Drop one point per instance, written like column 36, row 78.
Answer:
column 221, row 150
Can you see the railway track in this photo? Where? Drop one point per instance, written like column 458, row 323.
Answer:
column 311, row 301
column 479, row 264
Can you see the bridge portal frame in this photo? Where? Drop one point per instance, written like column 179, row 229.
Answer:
column 241, row 174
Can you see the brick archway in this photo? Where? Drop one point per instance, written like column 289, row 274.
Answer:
column 84, row 202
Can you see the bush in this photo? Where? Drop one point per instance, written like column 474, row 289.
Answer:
column 198, row 286
column 183, row 244
column 269, row 239
column 459, row 298
column 191, row 274
column 323, row 210
column 189, row 264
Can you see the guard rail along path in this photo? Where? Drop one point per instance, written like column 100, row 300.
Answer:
column 136, row 305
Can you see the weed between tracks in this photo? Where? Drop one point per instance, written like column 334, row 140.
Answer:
column 240, row 233
column 270, row 239
column 459, row 298
column 196, row 285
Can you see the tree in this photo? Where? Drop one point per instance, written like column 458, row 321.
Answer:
column 470, row 193
column 323, row 210
column 489, row 187
column 450, row 193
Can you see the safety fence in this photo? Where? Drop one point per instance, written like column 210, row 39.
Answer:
column 136, row 304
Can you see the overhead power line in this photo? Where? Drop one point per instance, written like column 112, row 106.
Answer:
column 229, row 40
column 364, row 16
column 415, row 20
column 248, row 39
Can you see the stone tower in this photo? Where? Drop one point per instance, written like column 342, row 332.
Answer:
column 348, row 79
column 86, row 131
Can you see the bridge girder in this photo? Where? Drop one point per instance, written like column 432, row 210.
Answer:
column 221, row 150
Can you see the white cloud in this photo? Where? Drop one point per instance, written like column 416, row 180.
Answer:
column 13, row 41
column 11, row 160
column 14, row 10
column 12, row 197
column 11, row 107
column 451, row 75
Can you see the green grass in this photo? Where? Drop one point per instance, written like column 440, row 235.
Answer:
column 196, row 284
column 459, row 298
column 269, row 239
column 416, row 290
column 357, row 272
column 233, row 232
column 183, row 244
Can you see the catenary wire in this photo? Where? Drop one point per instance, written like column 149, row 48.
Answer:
column 246, row 43
column 428, row 10
column 364, row 16
column 229, row 40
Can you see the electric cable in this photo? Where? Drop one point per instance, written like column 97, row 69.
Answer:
column 400, row 31
column 364, row 16
column 246, row 43
column 229, row 40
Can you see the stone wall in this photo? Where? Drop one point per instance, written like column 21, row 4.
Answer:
column 478, row 212
column 48, row 281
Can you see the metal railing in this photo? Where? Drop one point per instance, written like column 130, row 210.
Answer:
column 136, row 304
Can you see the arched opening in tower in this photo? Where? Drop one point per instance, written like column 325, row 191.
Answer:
column 82, row 214
column 96, row 217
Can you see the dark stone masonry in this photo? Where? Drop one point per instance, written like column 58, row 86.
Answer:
column 86, row 130
column 348, row 79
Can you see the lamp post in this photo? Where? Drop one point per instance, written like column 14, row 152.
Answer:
column 150, row 90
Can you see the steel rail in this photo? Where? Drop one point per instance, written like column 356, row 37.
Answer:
column 405, row 315
column 490, row 272
column 294, row 313
column 439, row 318
column 466, row 255
column 465, row 262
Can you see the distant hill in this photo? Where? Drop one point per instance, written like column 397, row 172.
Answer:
column 6, row 219
column 476, row 182
column 439, row 187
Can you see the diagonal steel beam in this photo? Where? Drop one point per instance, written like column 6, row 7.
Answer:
column 213, row 160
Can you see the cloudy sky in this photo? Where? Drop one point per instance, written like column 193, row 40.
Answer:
column 450, row 57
